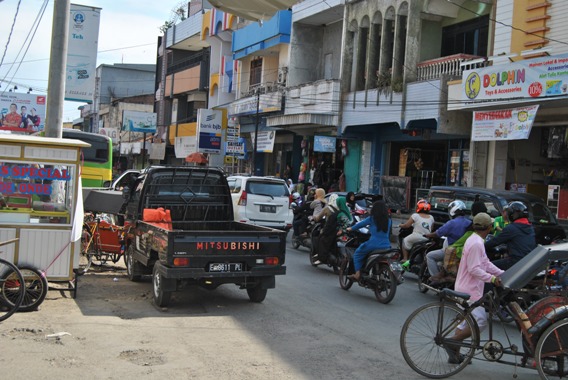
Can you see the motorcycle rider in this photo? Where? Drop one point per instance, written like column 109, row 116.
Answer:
column 318, row 203
column 337, row 219
column 300, row 218
column 518, row 235
column 380, row 224
column 421, row 222
column 453, row 229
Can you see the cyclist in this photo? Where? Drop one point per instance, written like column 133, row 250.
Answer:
column 519, row 235
column 474, row 271
column 454, row 229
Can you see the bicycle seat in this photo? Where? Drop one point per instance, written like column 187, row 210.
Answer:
column 452, row 293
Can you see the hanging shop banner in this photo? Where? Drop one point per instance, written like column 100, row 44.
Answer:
column 508, row 124
column 532, row 78
column 209, row 129
column 82, row 53
column 265, row 141
column 158, row 151
column 324, row 144
column 184, row 146
column 139, row 121
column 23, row 113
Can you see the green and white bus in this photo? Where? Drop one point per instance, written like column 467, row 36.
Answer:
column 96, row 169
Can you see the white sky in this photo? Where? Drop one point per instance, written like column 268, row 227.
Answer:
column 124, row 24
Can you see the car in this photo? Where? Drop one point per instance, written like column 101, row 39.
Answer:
column 546, row 225
column 264, row 201
column 124, row 179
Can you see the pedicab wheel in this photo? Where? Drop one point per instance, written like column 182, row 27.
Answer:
column 551, row 352
column 161, row 297
column 426, row 333
column 384, row 283
column 423, row 277
column 345, row 270
column 11, row 289
column 36, row 288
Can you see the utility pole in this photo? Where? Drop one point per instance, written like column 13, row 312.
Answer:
column 253, row 170
column 57, row 64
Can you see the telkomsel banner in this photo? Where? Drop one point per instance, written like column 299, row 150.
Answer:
column 82, row 53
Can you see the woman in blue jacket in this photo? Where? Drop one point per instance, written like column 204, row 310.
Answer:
column 380, row 224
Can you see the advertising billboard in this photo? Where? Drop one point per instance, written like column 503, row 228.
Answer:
column 24, row 113
column 139, row 121
column 209, row 129
column 82, row 53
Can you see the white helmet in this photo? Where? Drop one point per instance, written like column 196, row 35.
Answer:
column 456, row 206
column 295, row 195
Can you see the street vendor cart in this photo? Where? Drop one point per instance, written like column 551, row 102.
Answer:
column 40, row 201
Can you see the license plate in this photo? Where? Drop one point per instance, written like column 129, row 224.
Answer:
column 225, row 267
column 267, row 208
column 395, row 266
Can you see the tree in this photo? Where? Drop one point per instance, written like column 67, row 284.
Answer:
column 178, row 13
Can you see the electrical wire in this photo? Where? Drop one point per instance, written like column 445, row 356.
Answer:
column 11, row 31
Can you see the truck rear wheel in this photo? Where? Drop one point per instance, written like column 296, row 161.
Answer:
column 161, row 297
column 133, row 267
column 257, row 294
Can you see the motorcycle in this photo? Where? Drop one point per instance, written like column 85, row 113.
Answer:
column 417, row 260
column 302, row 214
column 333, row 256
column 381, row 271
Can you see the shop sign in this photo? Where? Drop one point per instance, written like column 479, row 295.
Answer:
column 25, row 179
column 324, row 144
column 532, row 78
column 185, row 145
column 209, row 128
column 507, row 124
column 269, row 102
column 138, row 121
column 265, row 141
column 235, row 148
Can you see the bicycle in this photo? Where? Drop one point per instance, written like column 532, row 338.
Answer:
column 428, row 348
column 102, row 241
column 11, row 286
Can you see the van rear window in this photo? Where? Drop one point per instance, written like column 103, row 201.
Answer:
column 274, row 189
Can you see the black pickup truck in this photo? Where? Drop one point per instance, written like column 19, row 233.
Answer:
column 202, row 245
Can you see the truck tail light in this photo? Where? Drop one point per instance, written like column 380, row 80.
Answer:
column 181, row 262
column 271, row 261
column 243, row 199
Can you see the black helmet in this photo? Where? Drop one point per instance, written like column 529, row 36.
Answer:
column 517, row 210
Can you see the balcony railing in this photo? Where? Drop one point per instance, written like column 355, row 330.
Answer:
column 452, row 65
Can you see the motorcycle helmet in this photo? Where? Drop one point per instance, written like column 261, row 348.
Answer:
column 517, row 210
column 295, row 196
column 422, row 206
column 456, row 207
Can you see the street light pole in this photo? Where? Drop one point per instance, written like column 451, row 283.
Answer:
column 253, row 170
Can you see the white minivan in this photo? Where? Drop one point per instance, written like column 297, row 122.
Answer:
column 264, row 201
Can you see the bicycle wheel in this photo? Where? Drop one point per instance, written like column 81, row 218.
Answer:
column 345, row 270
column 384, row 283
column 427, row 332
column 36, row 288
column 423, row 276
column 11, row 289
column 551, row 352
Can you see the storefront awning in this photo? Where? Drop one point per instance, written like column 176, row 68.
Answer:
column 286, row 121
column 254, row 10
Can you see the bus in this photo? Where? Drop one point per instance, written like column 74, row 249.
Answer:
column 96, row 169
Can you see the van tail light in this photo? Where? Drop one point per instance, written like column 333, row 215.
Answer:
column 243, row 199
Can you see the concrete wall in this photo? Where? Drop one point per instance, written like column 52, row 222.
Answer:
column 332, row 45
column 119, row 82
column 305, row 53
column 430, row 46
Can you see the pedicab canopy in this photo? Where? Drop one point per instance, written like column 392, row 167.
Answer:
column 102, row 201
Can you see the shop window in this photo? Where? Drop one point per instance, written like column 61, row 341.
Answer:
column 33, row 193
column 255, row 72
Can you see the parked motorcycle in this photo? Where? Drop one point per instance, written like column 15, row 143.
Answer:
column 417, row 259
column 381, row 271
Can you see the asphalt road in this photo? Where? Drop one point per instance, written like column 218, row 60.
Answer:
column 307, row 328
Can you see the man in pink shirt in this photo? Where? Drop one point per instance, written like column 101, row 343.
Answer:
column 474, row 271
